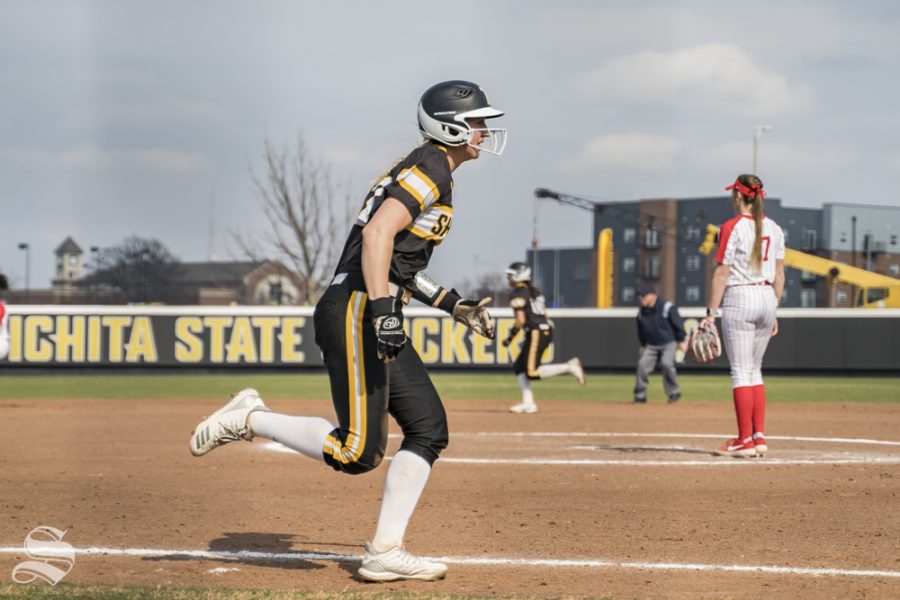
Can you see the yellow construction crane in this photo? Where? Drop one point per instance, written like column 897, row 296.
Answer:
column 873, row 289
column 605, row 250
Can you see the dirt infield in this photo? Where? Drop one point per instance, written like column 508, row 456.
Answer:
column 590, row 500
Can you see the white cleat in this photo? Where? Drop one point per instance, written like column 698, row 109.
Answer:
column 526, row 408
column 761, row 447
column 228, row 424
column 397, row 564
column 576, row 369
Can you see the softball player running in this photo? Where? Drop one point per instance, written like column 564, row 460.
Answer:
column 4, row 328
column 531, row 316
column 373, row 368
column 747, row 284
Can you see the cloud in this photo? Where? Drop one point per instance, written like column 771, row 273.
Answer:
column 354, row 158
column 780, row 156
column 172, row 113
column 93, row 158
column 715, row 76
column 628, row 151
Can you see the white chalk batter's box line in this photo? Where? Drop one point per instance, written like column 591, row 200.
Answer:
column 712, row 461
column 246, row 555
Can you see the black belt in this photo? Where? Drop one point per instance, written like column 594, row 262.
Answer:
column 354, row 280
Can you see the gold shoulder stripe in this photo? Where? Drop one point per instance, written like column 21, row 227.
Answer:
column 420, row 186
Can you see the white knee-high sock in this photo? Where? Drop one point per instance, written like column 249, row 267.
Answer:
column 306, row 435
column 527, row 396
column 406, row 478
column 553, row 370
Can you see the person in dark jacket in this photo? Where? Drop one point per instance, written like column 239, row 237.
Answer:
column 661, row 333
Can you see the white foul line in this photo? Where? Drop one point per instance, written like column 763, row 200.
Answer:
column 712, row 461
column 713, row 436
column 250, row 555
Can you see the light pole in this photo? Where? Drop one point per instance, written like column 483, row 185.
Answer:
column 853, row 257
column 97, row 260
column 757, row 134
column 24, row 246
column 144, row 256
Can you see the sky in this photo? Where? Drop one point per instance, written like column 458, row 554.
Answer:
column 126, row 118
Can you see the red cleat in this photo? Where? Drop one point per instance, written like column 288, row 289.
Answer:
column 737, row 448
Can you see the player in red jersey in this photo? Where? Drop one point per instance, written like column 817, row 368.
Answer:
column 747, row 285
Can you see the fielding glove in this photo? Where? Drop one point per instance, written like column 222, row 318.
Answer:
column 474, row 315
column 388, row 321
column 704, row 342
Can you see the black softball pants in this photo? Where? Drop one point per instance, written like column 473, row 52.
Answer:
column 365, row 389
column 533, row 347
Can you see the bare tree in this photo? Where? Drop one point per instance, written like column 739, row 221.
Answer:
column 307, row 214
column 141, row 270
column 484, row 285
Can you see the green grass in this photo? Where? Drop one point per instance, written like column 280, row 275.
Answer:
column 462, row 386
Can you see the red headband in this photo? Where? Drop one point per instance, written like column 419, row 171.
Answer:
column 750, row 192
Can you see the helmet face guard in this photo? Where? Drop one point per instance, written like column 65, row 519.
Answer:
column 445, row 112
column 493, row 140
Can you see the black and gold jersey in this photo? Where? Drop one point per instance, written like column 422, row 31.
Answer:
column 534, row 306
column 423, row 183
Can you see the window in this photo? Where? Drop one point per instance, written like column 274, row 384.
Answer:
column 628, row 265
column 692, row 293
column 808, row 298
column 810, row 237
column 876, row 294
column 693, row 262
column 692, row 234
column 651, row 267
column 868, row 242
column 629, row 235
column 652, row 238
column 275, row 292
column 894, row 269
column 582, row 272
column 807, row 276
column 73, row 260
column 842, row 297
column 628, row 295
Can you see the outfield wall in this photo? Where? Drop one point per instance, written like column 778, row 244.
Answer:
column 283, row 337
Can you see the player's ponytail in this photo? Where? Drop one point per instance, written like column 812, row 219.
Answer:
column 749, row 189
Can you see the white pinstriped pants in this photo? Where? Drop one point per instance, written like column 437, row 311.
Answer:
column 748, row 314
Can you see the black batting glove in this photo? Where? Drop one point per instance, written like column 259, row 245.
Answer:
column 388, row 321
column 512, row 335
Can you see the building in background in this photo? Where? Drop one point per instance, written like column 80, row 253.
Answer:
column 69, row 265
column 267, row 282
column 223, row 283
column 658, row 241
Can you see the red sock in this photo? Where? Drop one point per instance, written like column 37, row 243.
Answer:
column 759, row 409
column 743, row 408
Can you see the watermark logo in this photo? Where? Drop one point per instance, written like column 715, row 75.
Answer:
column 51, row 559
